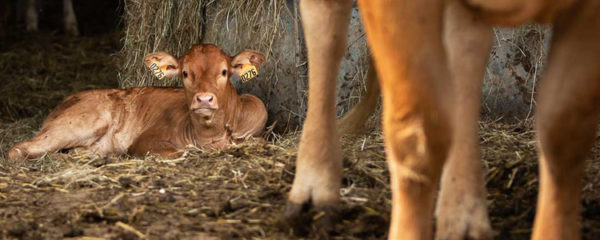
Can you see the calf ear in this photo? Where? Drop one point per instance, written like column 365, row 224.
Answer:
column 162, row 64
column 248, row 57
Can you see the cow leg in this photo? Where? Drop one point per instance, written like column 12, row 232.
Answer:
column 406, row 40
column 567, row 117
column 31, row 16
column 61, row 133
column 319, row 165
column 70, row 19
column 461, row 207
column 355, row 119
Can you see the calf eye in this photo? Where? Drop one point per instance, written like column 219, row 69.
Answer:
column 224, row 72
column 184, row 74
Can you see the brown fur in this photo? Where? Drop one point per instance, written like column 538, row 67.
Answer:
column 155, row 120
column 431, row 108
column 319, row 164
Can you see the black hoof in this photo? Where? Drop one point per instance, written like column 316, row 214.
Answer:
column 303, row 221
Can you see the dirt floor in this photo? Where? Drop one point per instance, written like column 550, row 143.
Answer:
column 237, row 193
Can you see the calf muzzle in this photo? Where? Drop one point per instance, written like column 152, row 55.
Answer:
column 204, row 104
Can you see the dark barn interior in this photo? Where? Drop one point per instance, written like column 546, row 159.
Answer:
column 239, row 192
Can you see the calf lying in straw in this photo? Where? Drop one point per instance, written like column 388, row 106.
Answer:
column 207, row 112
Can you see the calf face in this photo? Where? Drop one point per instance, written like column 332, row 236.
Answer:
column 205, row 70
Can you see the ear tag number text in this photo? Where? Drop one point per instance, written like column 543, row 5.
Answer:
column 248, row 72
column 157, row 71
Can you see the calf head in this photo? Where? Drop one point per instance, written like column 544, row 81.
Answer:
column 205, row 70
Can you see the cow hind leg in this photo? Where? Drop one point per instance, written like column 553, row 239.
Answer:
column 406, row 40
column 319, row 165
column 61, row 133
column 567, row 117
column 31, row 16
column 70, row 19
column 461, row 209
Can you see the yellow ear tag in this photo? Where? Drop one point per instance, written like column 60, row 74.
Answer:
column 248, row 72
column 158, row 71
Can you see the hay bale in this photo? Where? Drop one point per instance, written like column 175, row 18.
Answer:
column 155, row 25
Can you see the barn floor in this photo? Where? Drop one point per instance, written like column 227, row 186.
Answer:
column 232, row 194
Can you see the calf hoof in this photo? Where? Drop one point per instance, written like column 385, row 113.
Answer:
column 306, row 221
column 463, row 218
column 16, row 154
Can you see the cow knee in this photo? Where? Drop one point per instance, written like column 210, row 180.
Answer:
column 418, row 147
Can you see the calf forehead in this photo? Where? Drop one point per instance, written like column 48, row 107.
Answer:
column 205, row 56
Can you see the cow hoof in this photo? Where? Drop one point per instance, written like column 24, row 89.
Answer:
column 16, row 154
column 313, row 222
column 463, row 219
column 72, row 30
column 31, row 28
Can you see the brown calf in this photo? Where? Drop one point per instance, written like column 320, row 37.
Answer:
column 207, row 112
column 430, row 56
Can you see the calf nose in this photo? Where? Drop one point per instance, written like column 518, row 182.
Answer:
column 206, row 100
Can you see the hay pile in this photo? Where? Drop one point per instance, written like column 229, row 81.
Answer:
column 239, row 193
column 231, row 194
column 170, row 26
